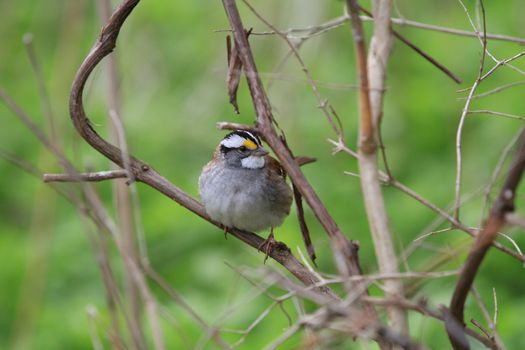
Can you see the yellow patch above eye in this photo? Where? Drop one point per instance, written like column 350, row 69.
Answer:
column 249, row 144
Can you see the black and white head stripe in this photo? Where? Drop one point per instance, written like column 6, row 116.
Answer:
column 241, row 138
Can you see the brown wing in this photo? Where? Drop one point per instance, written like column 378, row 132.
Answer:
column 277, row 169
column 275, row 166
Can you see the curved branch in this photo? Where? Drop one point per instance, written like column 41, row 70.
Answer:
column 503, row 205
column 143, row 172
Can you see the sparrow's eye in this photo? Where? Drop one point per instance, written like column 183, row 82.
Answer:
column 242, row 148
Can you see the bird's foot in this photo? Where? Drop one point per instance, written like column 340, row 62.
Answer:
column 225, row 228
column 267, row 245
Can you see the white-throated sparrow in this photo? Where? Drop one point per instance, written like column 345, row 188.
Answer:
column 244, row 187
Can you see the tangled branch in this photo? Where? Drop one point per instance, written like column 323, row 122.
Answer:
column 142, row 172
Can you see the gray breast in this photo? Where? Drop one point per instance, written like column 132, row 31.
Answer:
column 244, row 198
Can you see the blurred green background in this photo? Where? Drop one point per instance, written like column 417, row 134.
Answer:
column 172, row 65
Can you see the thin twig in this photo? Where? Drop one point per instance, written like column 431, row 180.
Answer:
column 99, row 240
column 459, row 133
column 124, row 194
column 422, row 53
column 150, row 304
column 482, row 38
column 447, row 30
column 496, row 90
column 44, row 95
column 481, row 328
column 403, row 22
column 89, row 177
column 86, row 208
column 236, row 126
column 323, row 103
column 494, row 323
column 502, row 63
column 95, row 210
column 175, row 296
column 492, row 334
column 499, row 114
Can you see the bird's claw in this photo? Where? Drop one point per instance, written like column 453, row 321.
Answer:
column 267, row 246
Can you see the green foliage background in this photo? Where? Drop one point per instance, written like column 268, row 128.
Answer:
column 173, row 66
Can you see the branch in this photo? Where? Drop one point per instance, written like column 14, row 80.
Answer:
column 422, row 53
column 459, row 133
column 125, row 193
column 345, row 250
column 327, row 109
column 453, row 31
column 499, row 114
column 496, row 90
column 335, row 316
column 142, row 171
column 503, row 205
column 366, row 135
column 422, row 308
column 316, row 30
column 236, row 126
column 89, row 177
column 391, row 181
column 372, row 73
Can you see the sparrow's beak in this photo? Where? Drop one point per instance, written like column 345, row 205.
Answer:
column 260, row 152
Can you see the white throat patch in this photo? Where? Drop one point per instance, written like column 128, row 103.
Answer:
column 253, row 162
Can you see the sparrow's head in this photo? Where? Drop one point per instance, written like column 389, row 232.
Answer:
column 243, row 149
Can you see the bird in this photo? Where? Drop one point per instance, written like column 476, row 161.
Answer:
column 243, row 187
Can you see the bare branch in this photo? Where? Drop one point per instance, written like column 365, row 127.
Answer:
column 124, row 195
column 502, row 63
column 372, row 73
column 459, row 133
column 89, row 177
column 302, row 224
column 494, row 323
column 150, row 304
column 175, row 296
column 499, row 114
column 492, row 334
column 327, row 109
column 446, row 30
column 422, row 53
column 403, row 22
column 236, row 126
column 481, row 328
column 44, row 95
column 496, row 90
column 422, row 308
column 504, row 204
